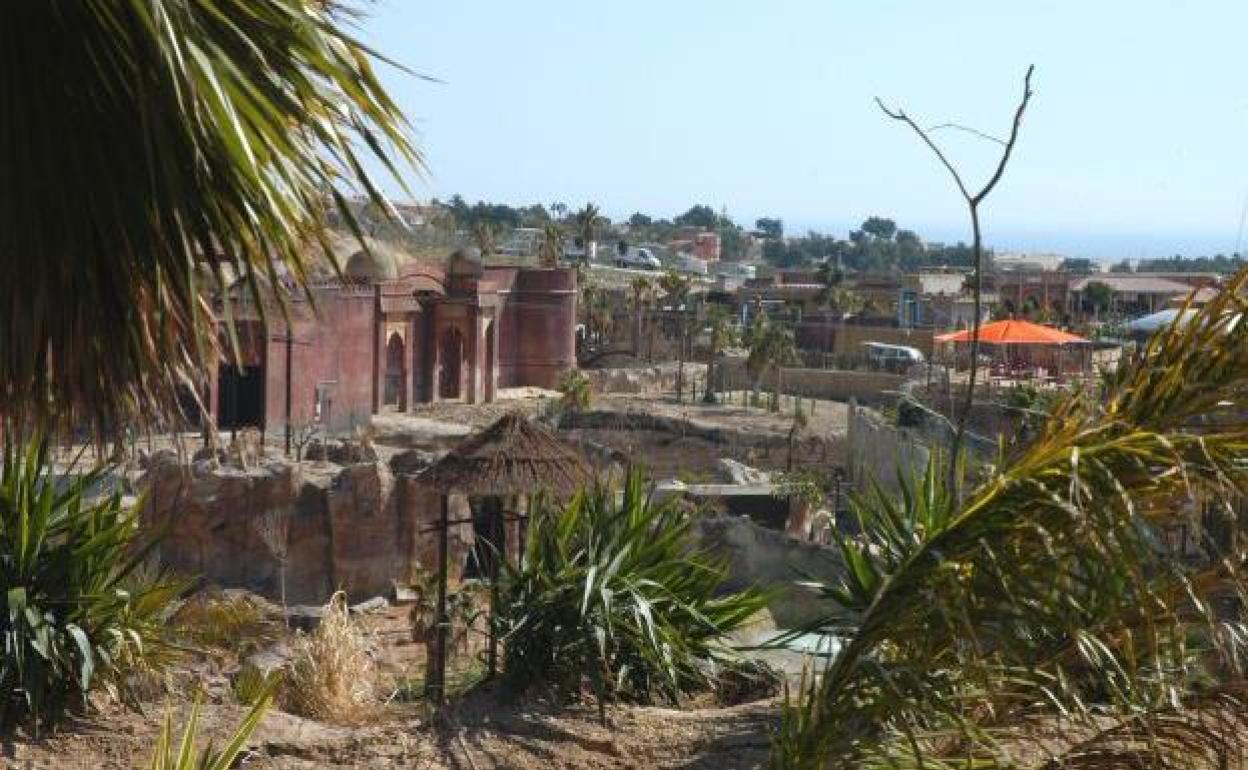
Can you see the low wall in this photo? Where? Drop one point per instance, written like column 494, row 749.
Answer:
column 847, row 339
column 355, row 528
column 642, row 380
column 830, row 384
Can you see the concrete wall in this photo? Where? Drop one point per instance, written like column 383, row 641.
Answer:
column 876, row 450
column 763, row 557
column 831, row 384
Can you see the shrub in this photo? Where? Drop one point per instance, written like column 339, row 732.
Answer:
column 613, row 595
column 331, row 674
column 577, row 394
column 77, row 611
column 251, row 684
column 221, row 622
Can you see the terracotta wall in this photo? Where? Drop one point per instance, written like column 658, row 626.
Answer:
column 338, row 350
column 537, row 334
column 356, row 528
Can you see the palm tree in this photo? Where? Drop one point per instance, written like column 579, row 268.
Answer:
column 551, row 248
column 483, row 236
column 587, row 221
column 641, row 289
column 723, row 332
column 771, row 349
column 833, row 296
column 676, row 288
column 221, row 134
column 1060, row 584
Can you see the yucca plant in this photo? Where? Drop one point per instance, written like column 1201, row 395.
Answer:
column 186, row 756
column 613, row 596
column 1053, row 588
column 221, row 134
column 73, row 615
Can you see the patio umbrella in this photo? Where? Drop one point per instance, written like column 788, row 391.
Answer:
column 1014, row 332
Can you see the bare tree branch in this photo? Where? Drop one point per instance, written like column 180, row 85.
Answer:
column 972, row 204
column 903, row 117
column 973, row 131
column 1009, row 144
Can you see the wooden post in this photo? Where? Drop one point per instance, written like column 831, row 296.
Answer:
column 436, row 689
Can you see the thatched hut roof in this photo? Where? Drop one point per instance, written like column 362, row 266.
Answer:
column 512, row 456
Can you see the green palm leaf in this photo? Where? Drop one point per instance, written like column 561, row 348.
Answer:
column 153, row 149
column 1051, row 588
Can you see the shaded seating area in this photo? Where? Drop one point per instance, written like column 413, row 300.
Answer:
column 502, row 467
column 1022, row 351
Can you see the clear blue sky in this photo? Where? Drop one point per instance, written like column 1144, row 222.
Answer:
column 1136, row 143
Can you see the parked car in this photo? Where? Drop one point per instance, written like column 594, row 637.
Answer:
column 893, row 358
column 637, row 257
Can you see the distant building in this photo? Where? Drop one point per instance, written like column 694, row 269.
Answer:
column 939, row 300
column 1131, row 293
column 390, row 335
column 1026, row 261
column 703, row 244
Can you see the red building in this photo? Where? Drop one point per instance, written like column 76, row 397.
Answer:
column 389, row 337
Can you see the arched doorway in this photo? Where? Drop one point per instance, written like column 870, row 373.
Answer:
column 396, row 372
column 451, row 355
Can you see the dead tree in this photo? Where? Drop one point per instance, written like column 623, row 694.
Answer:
column 973, row 201
column 273, row 528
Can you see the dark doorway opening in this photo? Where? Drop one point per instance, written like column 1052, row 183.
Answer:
column 240, row 397
column 396, row 373
column 490, row 376
column 450, row 385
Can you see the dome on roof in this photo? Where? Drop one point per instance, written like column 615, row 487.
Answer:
column 466, row 261
column 378, row 262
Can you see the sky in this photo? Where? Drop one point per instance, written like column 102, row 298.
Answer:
column 1135, row 143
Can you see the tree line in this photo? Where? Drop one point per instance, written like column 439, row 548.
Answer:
column 878, row 245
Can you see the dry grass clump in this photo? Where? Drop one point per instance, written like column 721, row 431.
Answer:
column 332, row 675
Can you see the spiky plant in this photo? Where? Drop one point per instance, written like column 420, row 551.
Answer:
column 1054, row 588
column 221, row 134
column 75, row 614
column 612, row 595
column 186, row 755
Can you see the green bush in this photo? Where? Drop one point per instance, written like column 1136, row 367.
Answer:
column 576, row 391
column 75, row 614
column 612, row 595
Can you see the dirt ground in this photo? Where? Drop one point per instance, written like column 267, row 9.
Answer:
column 478, row 731
column 478, row 734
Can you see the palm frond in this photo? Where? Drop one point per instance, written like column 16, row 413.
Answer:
column 1052, row 588
column 154, row 151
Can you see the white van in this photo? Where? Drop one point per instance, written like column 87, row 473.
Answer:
column 638, row 257
column 893, row 358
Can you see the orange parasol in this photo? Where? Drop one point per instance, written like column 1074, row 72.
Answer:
column 1012, row 332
